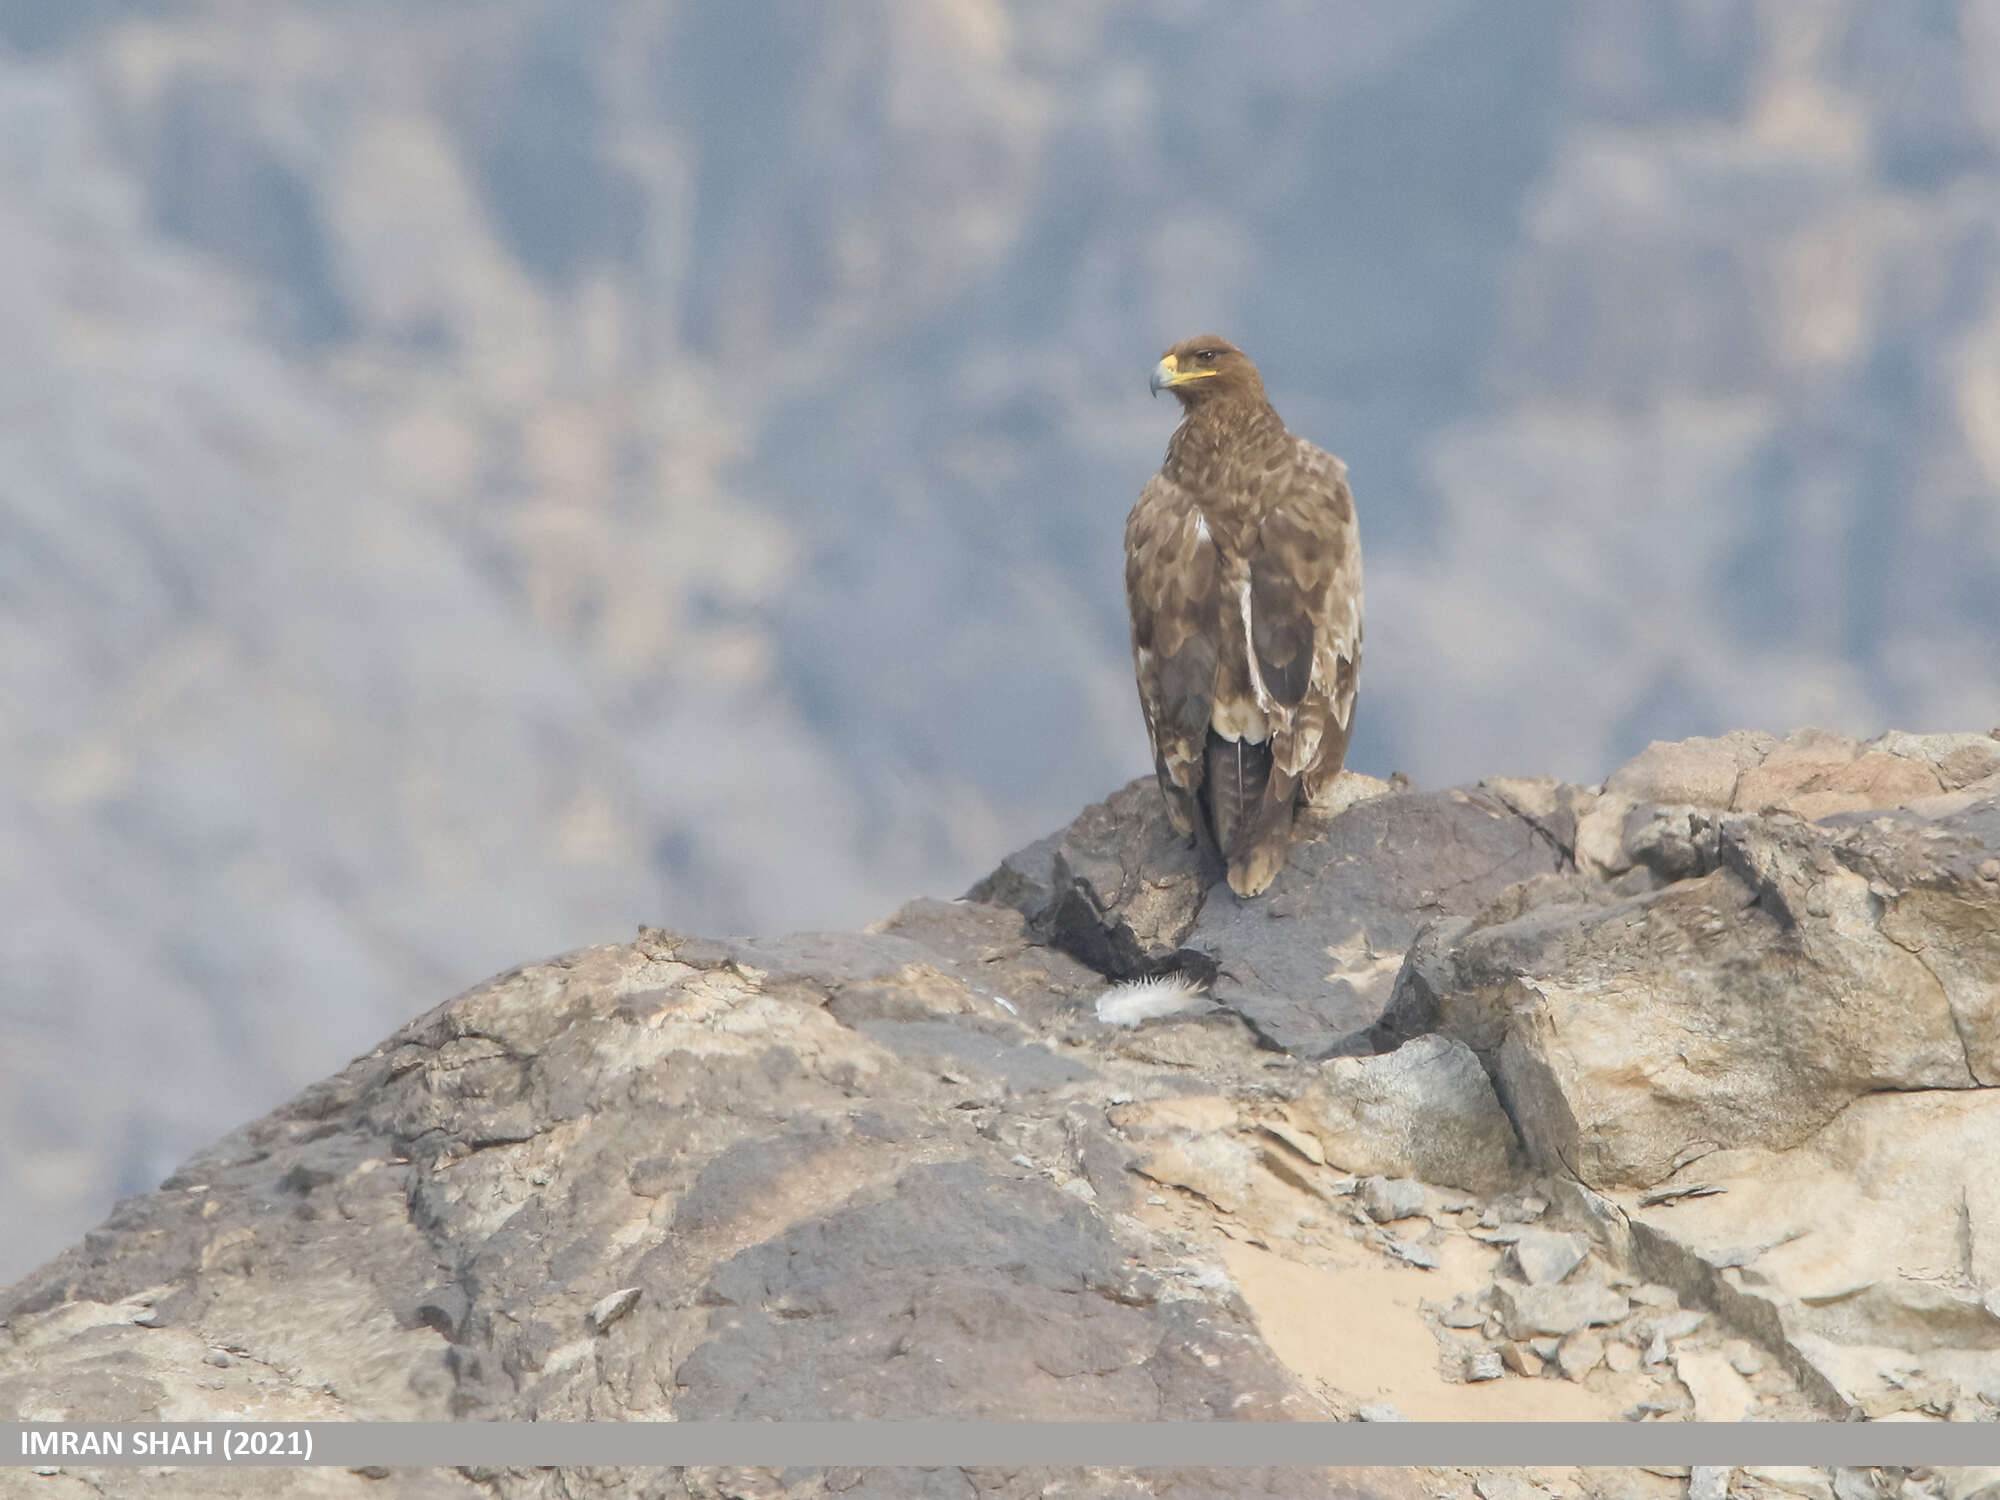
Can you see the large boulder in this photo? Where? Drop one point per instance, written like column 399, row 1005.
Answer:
column 1311, row 964
column 1748, row 1005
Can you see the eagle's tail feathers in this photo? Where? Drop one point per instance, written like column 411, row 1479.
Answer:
column 1235, row 782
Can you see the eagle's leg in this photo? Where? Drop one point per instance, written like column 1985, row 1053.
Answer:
column 1251, row 873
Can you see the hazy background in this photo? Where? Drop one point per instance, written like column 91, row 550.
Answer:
column 479, row 474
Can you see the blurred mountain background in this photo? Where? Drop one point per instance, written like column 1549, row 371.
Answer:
column 478, row 475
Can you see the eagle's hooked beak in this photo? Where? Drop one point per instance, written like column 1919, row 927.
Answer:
column 1168, row 373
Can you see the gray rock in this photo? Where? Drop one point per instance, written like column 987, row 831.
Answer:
column 1389, row 1198
column 1523, row 1208
column 1678, row 1325
column 1426, row 1110
column 1464, row 1312
column 610, row 1309
column 895, row 1166
column 1123, row 890
column 1545, row 1256
column 1579, row 1353
column 1706, row 1482
column 1483, row 1364
column 1311, row 964
column 794, row 1212
column 1414, row 1254
column 1556, row 1310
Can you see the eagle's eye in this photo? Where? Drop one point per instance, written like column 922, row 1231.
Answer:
column 1206, row 356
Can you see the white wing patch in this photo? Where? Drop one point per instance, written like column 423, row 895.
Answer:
column 1250, row 648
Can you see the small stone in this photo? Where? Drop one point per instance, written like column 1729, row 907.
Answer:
column 1490, row 1219
column 1484, row 1364
column 146, row 1319
column 1656, row 1351
column 1529, row 1310
column 1524, row 1210
column 1463, row 1313
column 1579, row 1354
column 219, row 1359
column 1652, row 1294
column 1521, row 1359
column 1390, row 1198
column 1452, row 1205
column 1989, row 869
column 1491, row 1327
column 1678, row 1325
column 1417, row 1255
column 1707, row 1482
column 1743, row 1358
column 1380, row 1411
column 1507, row 1487
column 1621, row 1357
column 1544, row 1257
column 609, row 1310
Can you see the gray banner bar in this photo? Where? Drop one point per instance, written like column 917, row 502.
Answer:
column 1123, row 1445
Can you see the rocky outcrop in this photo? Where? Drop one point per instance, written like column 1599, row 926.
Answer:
column 1745, row 990
column 1523, row 1100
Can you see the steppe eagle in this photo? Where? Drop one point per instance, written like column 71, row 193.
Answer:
column 1243, row 575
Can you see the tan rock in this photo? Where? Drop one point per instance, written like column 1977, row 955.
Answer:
column 1600, row 836
column 1699, row 771
column 1815, row 774
column 1958, row 759
column 1580, row 1353
column 1765, row 996
column 1521, row 1359
column 1876, row 1243
column 1720, row 1394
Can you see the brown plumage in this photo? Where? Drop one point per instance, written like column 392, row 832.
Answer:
column 1243, row 573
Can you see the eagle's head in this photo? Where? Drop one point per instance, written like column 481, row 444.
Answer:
column 1206, row 368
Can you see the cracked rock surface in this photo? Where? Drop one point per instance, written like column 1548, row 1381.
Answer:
column 1670, row 1098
